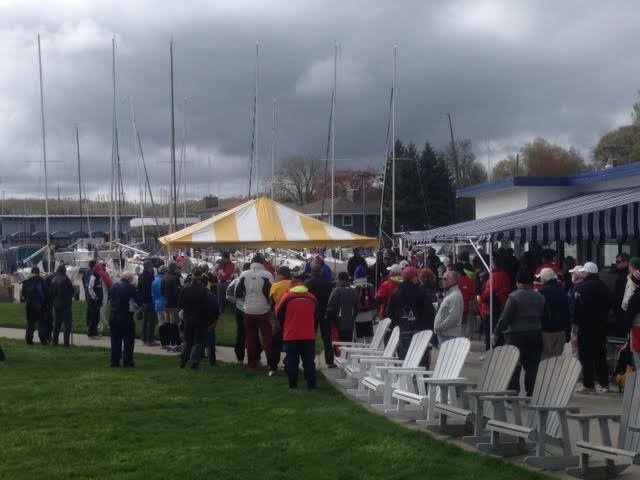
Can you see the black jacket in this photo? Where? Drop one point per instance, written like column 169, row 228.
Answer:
column 145, row 279
column 120, row 297
column 558, row 305
column 171, row 289
column 618, row 291
column 633, row 309
column 321, row 289
column 591, row 304
column 34, row 292
column 409, row 296
column 354, row 262
column 194, row 303
column 61, row 291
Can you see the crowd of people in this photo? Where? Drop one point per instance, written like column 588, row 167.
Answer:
column 535, row 303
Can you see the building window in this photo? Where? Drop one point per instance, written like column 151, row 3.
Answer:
column 347, row 220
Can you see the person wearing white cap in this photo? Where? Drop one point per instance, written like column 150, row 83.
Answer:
column 555, row 327
column 591, row 311
column 388, row 287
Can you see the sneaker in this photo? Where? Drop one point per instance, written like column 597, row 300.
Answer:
column 272, row 373
column 604, row 389
column 586, row 391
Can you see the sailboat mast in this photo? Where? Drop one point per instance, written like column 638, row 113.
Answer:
column 333, row 130
column 174, row 193
column 393, row 143
column 44, row 159
column 113, row 234
column 79, row 177
column 255, row 118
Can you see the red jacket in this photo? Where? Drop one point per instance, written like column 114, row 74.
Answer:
column 553, row 265
column 104, row 276
column 385, row 290
column 225, row 269
column 468, row 288
column 501, row 289
column 297, row 313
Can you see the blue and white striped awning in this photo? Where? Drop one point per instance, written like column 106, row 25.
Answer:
column 609, row 215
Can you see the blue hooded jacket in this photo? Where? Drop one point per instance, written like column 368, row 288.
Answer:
column 156, row 293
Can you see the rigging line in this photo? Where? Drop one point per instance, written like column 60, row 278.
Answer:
column 424, row 196
column 146, row 175
column 386, row 166
column 253, row 138
column 326, row 157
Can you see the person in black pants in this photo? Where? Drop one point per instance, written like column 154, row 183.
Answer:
column 62, row 292
column 94, row 295
column 123, row 297
column 149, row 318
column 591, row 311
column 194, row 303
column 34, row 295
column 521, row 322
column 321, row 289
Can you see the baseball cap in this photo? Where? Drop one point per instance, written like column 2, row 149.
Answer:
column 404, row 264
column 547, row 274
column 589, row 267
column 576, row 269
column 395, row 268
column 409, row 273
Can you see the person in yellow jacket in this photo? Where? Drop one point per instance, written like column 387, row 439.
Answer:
column 278, row 290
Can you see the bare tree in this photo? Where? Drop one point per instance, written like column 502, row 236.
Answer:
column 299, row 178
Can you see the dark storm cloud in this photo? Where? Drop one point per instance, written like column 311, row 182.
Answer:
column 507, row 71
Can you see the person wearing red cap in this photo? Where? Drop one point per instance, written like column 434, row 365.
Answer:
column 410, row 309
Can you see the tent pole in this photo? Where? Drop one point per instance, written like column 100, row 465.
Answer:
column 490, row 295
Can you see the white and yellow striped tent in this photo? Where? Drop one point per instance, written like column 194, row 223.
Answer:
column 262, row 223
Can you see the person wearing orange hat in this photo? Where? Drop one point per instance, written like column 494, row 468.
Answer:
column 410, row 309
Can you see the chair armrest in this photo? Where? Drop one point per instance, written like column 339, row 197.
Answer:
column 504, row 398
column 365, row 359
column 350, row 344
column 614, row 417
column 362, row 350
column 485, row 393
column 553, row 408
column 417, row 371
column 447, row 382
column 634, row 428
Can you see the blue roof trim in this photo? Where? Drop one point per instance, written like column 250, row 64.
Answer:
column 579, row 179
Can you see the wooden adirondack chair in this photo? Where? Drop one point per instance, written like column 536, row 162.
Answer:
column 627, row 450
column 397, row 373
column 497, row 369
column 364, row 364
column 546, row 419
column 451, row 357
column 376, row 347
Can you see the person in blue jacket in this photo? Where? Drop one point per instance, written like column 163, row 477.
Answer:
column 123, row 300
column 159, row 306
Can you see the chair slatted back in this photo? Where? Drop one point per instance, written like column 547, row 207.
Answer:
column 628, row 440
column 392, row 343
column 417, row 348
column 451, row 357
column 378, row 336
column 497, row 369
column 555, row 383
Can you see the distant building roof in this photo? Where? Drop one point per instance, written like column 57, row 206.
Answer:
column 224, row 204
column 604, row 175
column 163, row 222
column 341, row 206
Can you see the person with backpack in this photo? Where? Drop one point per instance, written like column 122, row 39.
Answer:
column 343, row 307
column 410, row 310
column 33, row 294
column 297, row 314
column 367, row 307
column 62, row 293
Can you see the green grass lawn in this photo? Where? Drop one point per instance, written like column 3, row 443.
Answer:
column 65, row 415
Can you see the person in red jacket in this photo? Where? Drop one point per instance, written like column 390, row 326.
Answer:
column 224, row 271
column 548, row 261
column 386, row 288
column 500, row 286
column 297, row 314
column 468, row 289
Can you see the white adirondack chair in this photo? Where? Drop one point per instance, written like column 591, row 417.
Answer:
column 451, row 357
column 362, row 365
column 546, row 419
column 375, row 347
column 397, row 373
column 627, row 451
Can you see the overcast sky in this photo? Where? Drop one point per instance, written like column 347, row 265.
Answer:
column 508, row 71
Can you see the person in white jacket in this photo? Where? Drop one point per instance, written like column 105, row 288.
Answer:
column 253, row 288
column 448, row 321
column 231, row 298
